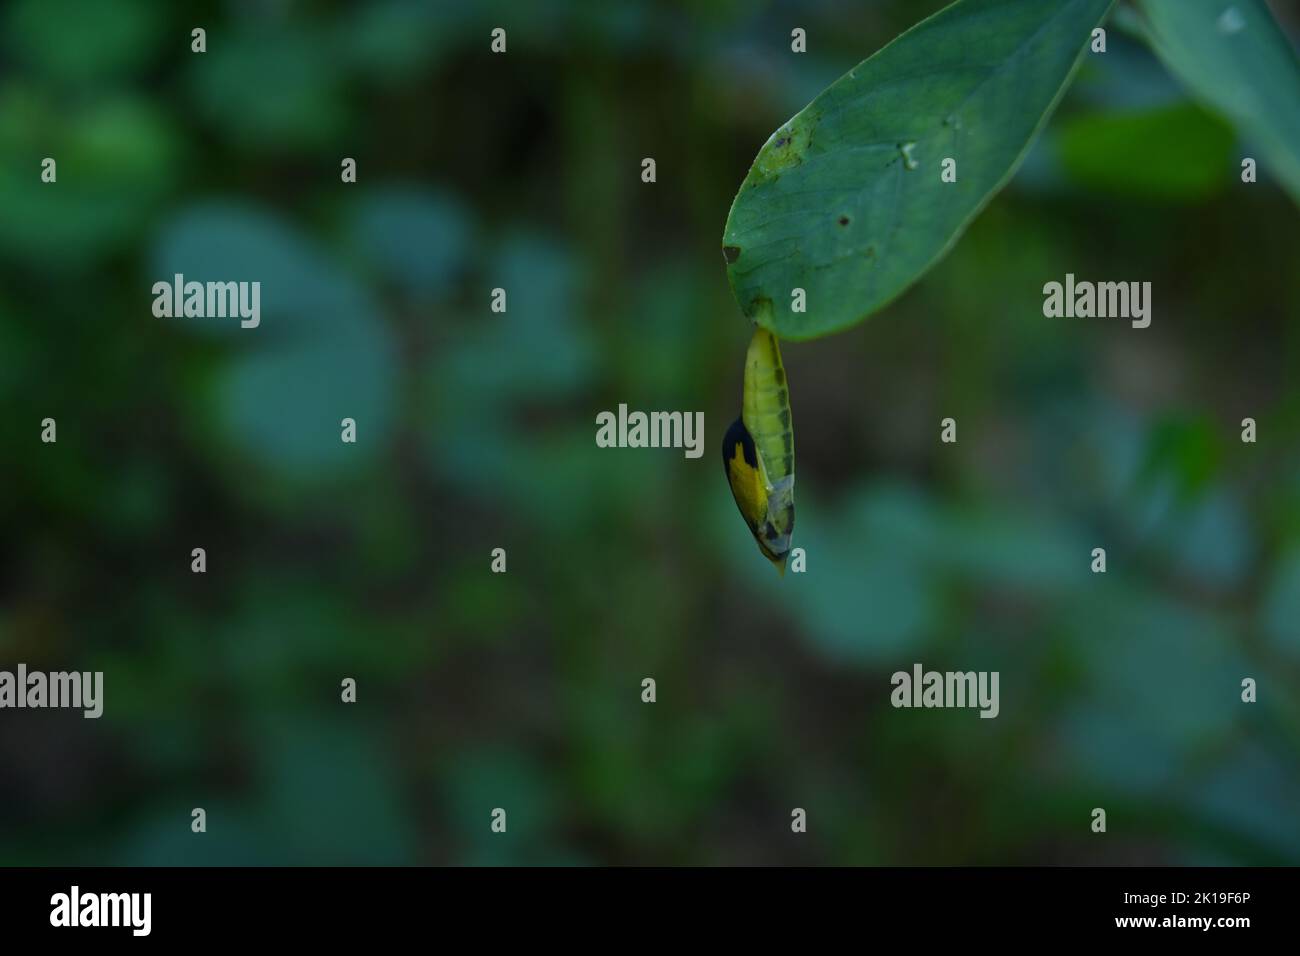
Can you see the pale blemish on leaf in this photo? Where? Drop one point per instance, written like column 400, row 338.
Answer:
column 786, row 148
column 1231, row 21
column 905, row 149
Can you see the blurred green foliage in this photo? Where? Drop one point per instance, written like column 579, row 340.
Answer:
column 1234, row 58
column 476, row 431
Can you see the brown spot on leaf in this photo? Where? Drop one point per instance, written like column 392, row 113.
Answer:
column 844, row 220
column 731, row 253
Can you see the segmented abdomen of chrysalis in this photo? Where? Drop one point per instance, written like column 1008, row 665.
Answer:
column 765, row 410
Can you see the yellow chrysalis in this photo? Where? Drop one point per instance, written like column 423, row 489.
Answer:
column 758, row 451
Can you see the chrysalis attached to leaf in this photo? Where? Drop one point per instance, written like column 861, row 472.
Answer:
column 758, row 451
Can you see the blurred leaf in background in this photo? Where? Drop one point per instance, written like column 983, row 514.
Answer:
column 1234, row 57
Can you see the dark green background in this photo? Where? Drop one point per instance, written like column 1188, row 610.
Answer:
column 476, row 431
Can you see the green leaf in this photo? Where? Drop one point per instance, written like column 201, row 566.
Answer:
column 272, row 90
column 1234, row 57
column 845, row 200
column 412, row 236
column 117, row 157
column 83, row 42
column 322, row 352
